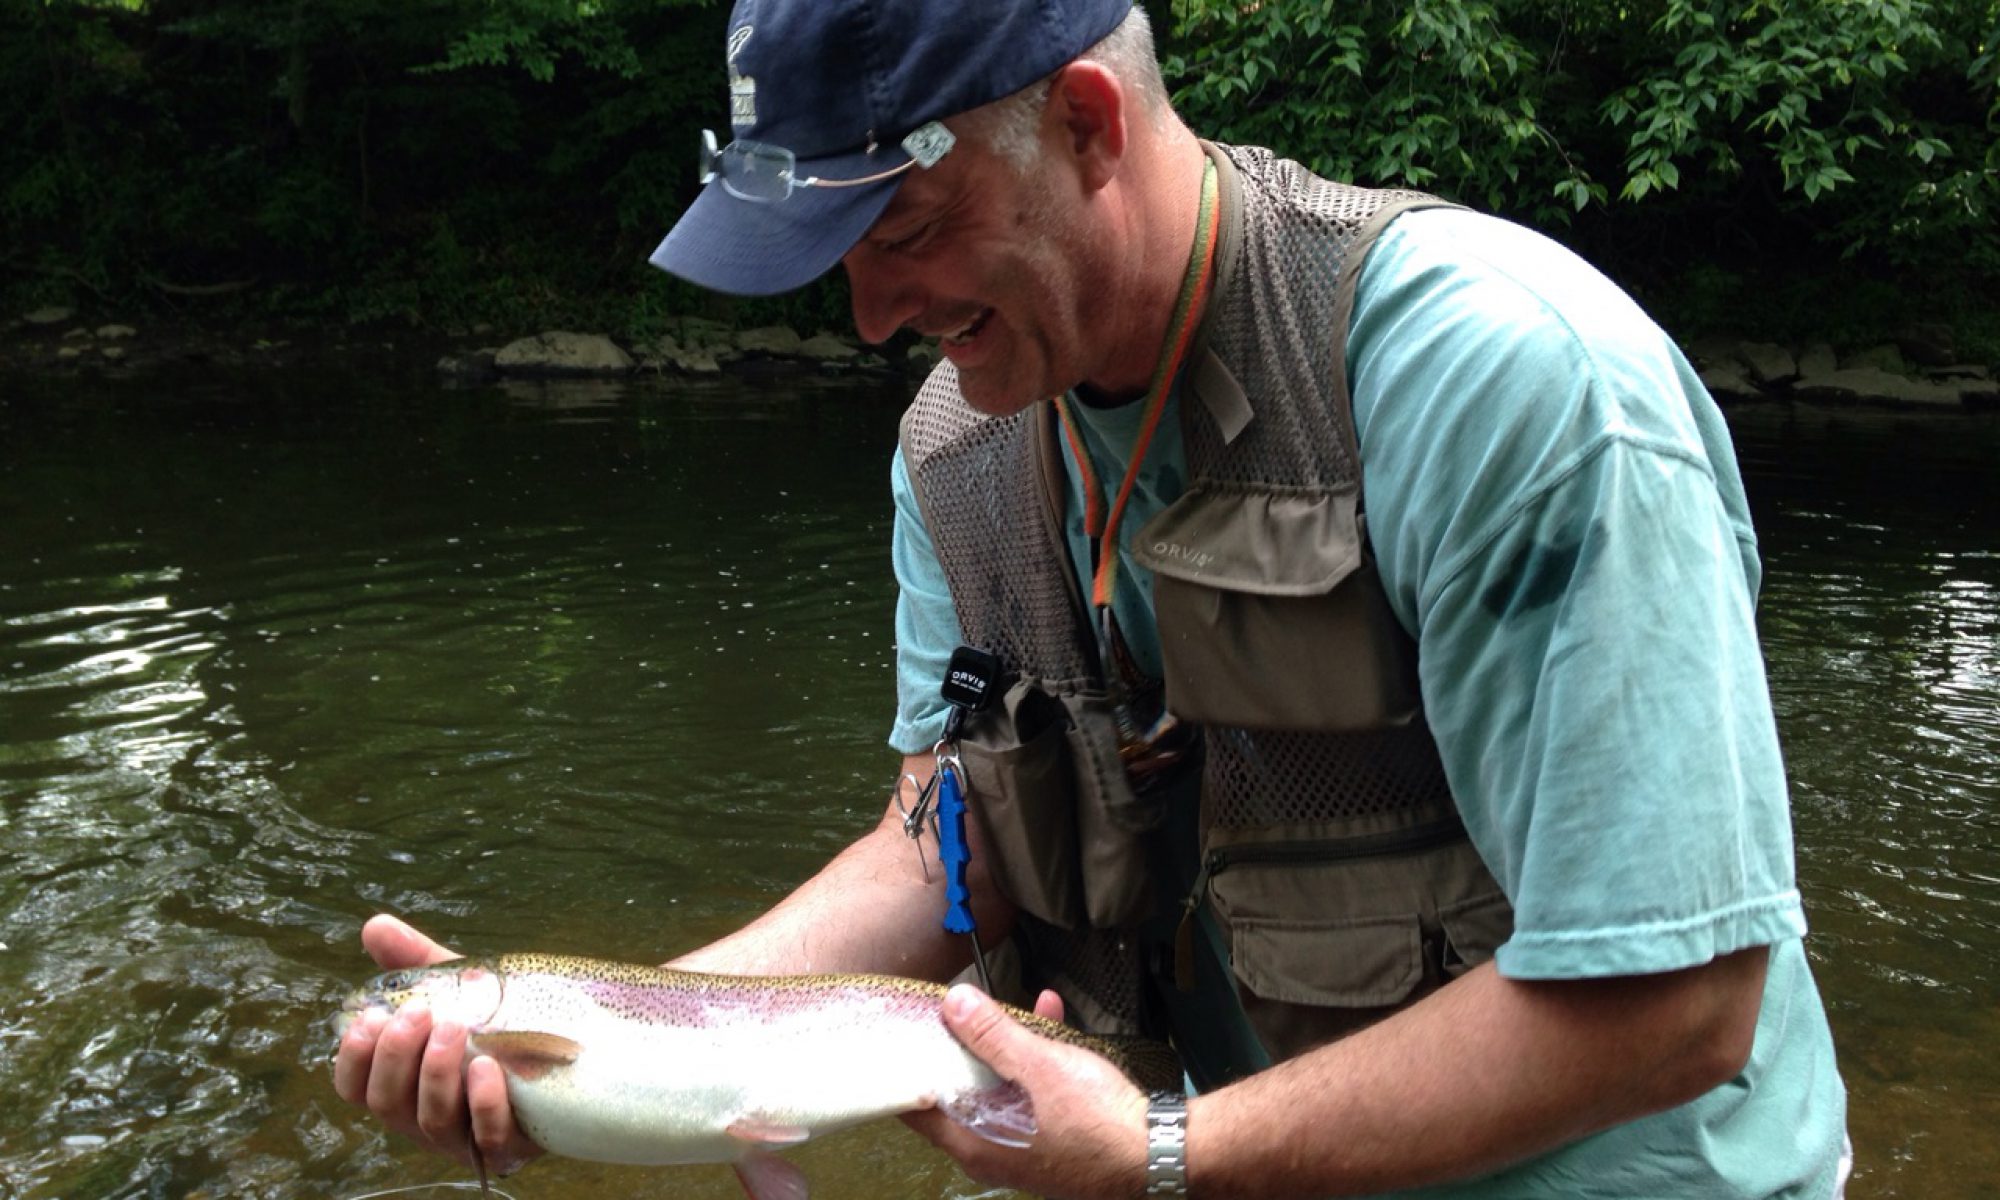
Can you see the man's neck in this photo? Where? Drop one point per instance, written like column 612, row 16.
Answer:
column 1166, row 193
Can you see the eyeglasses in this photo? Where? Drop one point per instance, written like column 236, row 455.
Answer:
column 764, row 174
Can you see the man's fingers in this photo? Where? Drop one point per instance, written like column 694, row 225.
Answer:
column 356, row 1055
column 499, row 1140
column 440, row 1094
column 1049, row 1006
column 395, row 944
column 392, row 1077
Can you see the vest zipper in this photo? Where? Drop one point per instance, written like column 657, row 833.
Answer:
column 1318, row 851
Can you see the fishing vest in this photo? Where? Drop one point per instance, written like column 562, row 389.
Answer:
column 1321, row 855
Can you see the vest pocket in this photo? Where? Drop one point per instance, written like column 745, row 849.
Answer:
column 1017, row 762
column 1337, row 663
column 1329, row 935
column 1272, row 615
column 1370, row 962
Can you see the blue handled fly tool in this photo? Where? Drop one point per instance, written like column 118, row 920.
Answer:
column 968, row 685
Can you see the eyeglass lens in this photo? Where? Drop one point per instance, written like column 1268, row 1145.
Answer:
column 753, row 171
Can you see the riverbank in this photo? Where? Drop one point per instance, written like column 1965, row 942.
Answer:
column 1917, row 369
column 65, row 341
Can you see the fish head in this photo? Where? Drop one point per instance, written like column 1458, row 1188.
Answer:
column 462, row 991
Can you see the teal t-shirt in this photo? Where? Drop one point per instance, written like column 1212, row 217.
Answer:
column 1558, row 519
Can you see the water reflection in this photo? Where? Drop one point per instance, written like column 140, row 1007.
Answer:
column 607, row 669
column 1882, row 626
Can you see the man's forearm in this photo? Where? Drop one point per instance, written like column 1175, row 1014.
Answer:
column 1484, row 1073
column 871, row 909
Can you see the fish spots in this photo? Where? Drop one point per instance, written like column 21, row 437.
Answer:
column 1537, row 578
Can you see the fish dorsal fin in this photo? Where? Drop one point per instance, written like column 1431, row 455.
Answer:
column 759, row 1130
column 768, row 1177
column 526, row 1053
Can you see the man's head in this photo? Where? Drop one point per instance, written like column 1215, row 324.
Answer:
column 992, row 245
column 828, row 91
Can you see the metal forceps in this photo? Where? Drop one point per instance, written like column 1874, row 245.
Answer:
column 915, row 815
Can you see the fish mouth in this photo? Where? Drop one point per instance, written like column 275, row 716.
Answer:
column 469, row 991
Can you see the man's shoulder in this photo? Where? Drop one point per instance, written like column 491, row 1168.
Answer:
column 1475, row 319
column 1489, row 364
column 1476, row 274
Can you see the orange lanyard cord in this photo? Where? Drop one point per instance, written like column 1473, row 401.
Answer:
column 1187, row 315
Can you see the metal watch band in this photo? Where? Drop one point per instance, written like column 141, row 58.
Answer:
column 1166, row 1144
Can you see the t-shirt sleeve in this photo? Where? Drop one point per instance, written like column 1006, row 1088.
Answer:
column 926, row 624
column 1595, row 682
column 1554, row 506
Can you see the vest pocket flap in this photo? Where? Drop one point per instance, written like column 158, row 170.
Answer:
column 1474, row 929
column 1369, row 962
column 1293, row 542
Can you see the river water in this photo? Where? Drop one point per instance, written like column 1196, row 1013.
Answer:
column 608, row 669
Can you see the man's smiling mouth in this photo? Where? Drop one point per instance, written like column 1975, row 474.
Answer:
column 968, row 331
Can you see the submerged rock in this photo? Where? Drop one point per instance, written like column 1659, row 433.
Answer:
column 775, row 340
column 1770, row 364
column 1881, row 358
column 1817, row 359
column 558, row 353
column 669, row 353
column 825, row 347
column 1870, row 385
column 473, row 366
column 50, row 315
column 1729, row 382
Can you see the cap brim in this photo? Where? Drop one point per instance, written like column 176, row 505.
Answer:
column 729, row 244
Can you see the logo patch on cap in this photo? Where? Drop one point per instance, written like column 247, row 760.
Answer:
column 742, row 88
column 928, row 143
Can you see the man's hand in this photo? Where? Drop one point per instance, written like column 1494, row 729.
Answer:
column 412, row 1073
column 1090, row 1121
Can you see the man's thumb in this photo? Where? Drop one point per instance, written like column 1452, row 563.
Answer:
column 977, row 1020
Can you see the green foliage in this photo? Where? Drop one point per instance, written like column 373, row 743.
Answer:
column 350, row 159
column 1437, row 94
column 516, row 160
column 1745, row 132
column 534, row 35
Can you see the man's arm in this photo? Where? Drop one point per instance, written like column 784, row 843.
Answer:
column 1485, row 1072
column 870, row 910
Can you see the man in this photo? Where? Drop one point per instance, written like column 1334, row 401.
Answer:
column 1448, row 839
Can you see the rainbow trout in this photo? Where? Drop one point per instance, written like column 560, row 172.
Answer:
column 630, row 1064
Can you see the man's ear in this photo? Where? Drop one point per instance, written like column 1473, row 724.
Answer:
column 1087, row 105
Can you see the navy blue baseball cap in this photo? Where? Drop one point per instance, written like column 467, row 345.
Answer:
column 839, row 84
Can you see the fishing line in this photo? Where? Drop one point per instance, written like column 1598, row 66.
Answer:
column 463, row 1185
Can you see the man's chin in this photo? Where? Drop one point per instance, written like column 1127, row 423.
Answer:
column 996, row 398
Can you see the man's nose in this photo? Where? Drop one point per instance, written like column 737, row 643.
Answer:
column 884, row 298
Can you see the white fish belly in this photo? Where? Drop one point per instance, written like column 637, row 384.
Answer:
column 647, row 1094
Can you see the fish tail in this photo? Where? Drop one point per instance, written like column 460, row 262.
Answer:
column 1002, row 1112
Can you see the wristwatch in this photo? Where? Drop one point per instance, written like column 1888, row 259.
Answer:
column 1166, row 1144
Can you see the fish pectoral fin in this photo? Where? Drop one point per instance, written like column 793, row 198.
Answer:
column 758, row 1130
column 768, row 1177
column 525, row 1053
column 1002, row 1113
